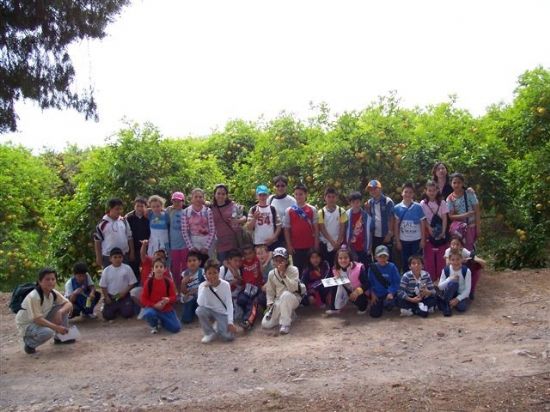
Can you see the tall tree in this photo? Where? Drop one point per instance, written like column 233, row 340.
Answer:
column 34, row 61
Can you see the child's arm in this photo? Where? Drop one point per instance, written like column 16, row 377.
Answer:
column 315, row 231
column 143, row 249
column 106, row 296
column 423, row 233
column 251, row 220
column 288, row 241
column 342, row 231
column 98, row 255
column 132, row 253
column 397, row 234
column 391, row 223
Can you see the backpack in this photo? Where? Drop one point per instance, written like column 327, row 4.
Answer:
column 447, row 271
column 273, row 215
column 19, row 294
column 437, row 227
column 339, row 212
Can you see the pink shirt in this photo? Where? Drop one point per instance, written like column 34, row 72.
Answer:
column 430, row 208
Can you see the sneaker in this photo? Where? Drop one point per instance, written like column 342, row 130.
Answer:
column 58, row 341
column 361, row 312
column 29, row 350
column 431, row 309
column 90, row 316
column 406, row 312
column 246, row 325
column 332, row 312
column 155, row 330
column 141, row 313
column 208, row 338
column 215, row 325
column 284, row 330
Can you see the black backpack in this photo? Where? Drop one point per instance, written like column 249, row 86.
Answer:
column 19, row 294
column 437, row 227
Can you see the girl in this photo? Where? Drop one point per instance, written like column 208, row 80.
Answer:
column 157, row 298
column 228, row 221
column 358, row 287
column 197, row 226
column 159, row 225
column 316, row 270
column 474, row 263
column 464, row 212
column 44, row 313
column 436, row 211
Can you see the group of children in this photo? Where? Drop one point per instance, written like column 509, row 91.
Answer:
column 294, row 249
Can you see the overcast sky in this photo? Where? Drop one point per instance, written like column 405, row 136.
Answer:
column 190, row 66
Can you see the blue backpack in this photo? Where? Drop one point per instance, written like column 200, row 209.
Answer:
column 447, row 271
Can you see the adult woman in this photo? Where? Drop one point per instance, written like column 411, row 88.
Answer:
column 228, row 218
column 440, row 174
column 43, row 313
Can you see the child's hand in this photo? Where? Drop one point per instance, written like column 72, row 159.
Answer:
column 454, row 302
column 398, row 245
column 389, row 296
column 108, row 300
column 415, row 299
column 144, row 242
column 61, row 329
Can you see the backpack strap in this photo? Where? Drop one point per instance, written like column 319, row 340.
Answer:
column 464, row 271
column 218, row 296
column 274, row 217
column 379, row 275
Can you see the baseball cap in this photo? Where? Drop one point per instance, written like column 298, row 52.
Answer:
column 374, row 184
column 381, row 250
column 262, row 190
column 280, row 251
column 178, row 196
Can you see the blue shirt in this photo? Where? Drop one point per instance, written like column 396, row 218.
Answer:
column 391, row 274
column 176, row 237
column 409, row 217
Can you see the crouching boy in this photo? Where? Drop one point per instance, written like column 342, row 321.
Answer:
column 80, row 291
column 215, row 305
column 384, row 281
column 416, row 293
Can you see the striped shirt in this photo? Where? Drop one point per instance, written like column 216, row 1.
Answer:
column 410, row 286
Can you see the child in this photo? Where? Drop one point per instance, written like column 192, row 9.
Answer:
column 228, row 220
column 251, row 298
column 263, row 220
column 455, row 283
column 380, row 208
column 282, row 293
column 116, row 282
column 358, row 234
column 215, row 305
column 332, row 225
column 192, row 277
column 158, row 297
column 281, row 201
column 436, row 211
column 301, row 229
column 197, row 226
column 113, row 232
column 384, row 281
column 265, row 258
column 409, row 226
column 358, row 287
column 470, row 259
column 44, row 313
column 231, row 272
column 80, row 291
column 316, row 269
column 178, row 248
column 416, row 293
column 139, row 225
column 464, row 212
column 159, row 222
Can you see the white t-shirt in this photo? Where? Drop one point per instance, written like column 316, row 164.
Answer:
column 69, row 285
column 113, row 233
column 263, row 228
column 116, row 279
column 281, row 204
column 465, row 253
column 332, row 221
column 32, row 309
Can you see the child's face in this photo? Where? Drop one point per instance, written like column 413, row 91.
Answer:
column 343, row 260
column 330, row 199
column 457, row 183
column 382, row 260
column 315, row 260
column 249, row 254
column 416, row 266
column 47, row 283
column 355, row 204
column 193, row 263
column 159, row 268
column 262, row 254
column 159, row 254
column 280, row 187
column 456, row 261
column 262, row 198
column 115, row 212
column 300, row 196
column 139, row 208
column 280, row 263
column 213, row 276
column 220, row 195
column 178, row 204
column 408, row 194
column 431, row 192
column 156, row 207
column 455, row 245
column 116, row 260
column 375, row 192
column 235, row 262
column 197, row 199
column 80, row 278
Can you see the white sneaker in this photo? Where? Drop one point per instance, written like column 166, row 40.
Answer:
column 155, row 330
column 208, row 338
column 91, row 316
column 361, row 312
column 284, row 330
column 215, row 325
column 406, row 312
column 332, row 312
column 431, row 309
column 141, row 313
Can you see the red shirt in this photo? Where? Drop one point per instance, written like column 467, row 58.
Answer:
column 158, row 291
column 252, row 272
column 358, row 235
column 302, row 234
column 147, row 269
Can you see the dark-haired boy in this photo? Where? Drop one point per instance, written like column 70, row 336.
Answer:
column 332, row 225
column 281, row 201
column 380, row 208
column 191, row 278
column 358, row 234
column 139, row 225
column 81, row 292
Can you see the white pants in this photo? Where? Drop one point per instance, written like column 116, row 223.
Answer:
column 281, row 314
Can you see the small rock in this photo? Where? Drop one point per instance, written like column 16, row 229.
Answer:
column 298, row 379
column 254, row 370
column 235, row 369
column 440, row 334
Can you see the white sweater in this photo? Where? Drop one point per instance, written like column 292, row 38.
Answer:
column 207, row 299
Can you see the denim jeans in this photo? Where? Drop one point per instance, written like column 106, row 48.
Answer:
column 168, row 320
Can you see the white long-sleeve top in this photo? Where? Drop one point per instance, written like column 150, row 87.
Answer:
column 276, row 284
column 207, row 299
column 464, row 283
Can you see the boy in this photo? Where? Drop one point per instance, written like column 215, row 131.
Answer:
column 139, row 225
column 116, row 282
column 455, row 283
column 231, row 272
column 281, row 201
column 215, row 305
column 113, row 232
column 80, row 291
column 416, row 293
column 301, row 229
column 251, row 297
column 332, row 225
column 384, row 281
column 192, row 277
column 410, row 228
column 263, row 220
column 178, row 248
column 358, row 234
column 380, row 208
column 197, row 226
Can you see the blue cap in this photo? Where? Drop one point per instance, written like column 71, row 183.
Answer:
column 262, row 190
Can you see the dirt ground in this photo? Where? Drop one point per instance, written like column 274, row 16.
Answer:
column 494, row 357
